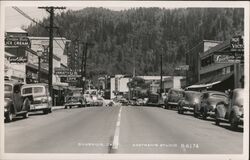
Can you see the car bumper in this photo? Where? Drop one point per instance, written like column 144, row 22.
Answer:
column 188, row 108
column 72, row 104
column 35, row 107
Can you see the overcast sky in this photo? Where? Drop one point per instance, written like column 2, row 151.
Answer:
column 14, row 19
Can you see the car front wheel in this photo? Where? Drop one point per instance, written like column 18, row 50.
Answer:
column 26, row 115
column 9, row 116
column 45, row 111
column 233, row 121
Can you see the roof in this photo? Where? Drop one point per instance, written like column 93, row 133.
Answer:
column 215, row 92
column 16, row 30
column 35, row 84
column 12, row 82
column 218, row 47
column 207, row 83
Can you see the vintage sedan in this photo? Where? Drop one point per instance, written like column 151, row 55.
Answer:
column 190, row 101
column 233, row 112
column 210, row 100
column 78, row 101
column 174, row 95
column 38, row 93
column 14, row 103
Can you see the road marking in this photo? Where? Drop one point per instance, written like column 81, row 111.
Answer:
column 117, row 132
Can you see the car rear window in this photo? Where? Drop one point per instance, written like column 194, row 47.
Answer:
column 27, row 90
column 38, row 89
column 7, row 88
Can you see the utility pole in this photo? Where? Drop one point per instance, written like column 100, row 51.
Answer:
column 51, row 37
column 161, row 87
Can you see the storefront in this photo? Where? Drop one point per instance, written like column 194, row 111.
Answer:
column 221, row 67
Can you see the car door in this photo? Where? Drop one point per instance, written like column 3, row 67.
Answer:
column 204, row 100
column 17, row 98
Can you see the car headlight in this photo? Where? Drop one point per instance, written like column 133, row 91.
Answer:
column 241, row 109
column 5, row 103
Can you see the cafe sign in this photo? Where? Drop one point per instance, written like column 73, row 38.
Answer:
column 227, row 59
column 17, row 41
column 18, row 59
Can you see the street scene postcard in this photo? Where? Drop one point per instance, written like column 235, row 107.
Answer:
column 124, row 80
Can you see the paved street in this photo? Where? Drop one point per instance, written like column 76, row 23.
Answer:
column 126, row 129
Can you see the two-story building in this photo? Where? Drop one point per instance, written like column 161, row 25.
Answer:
column 219, row 68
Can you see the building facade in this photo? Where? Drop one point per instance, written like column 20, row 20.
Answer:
column 220, row 67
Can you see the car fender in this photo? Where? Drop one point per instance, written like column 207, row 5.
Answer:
column 8, row 103
column 221, row 110
column 236, row 110
column 26, row 104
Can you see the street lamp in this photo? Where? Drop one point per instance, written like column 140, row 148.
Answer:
column 39, row 55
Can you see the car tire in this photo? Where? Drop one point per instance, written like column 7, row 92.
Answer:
column 217, row 120
column 195, row 115
column 9, row 117
column 233, row 121
column 26, row 115
column 45, row 111
column 65, row 107
column 178, row 111
column 203, row 114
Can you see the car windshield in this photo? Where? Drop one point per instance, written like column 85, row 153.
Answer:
column 238, row 97
column 73, row 99
column 38, row 90
column 219, row 96
column 192, row 95
column 7, row 88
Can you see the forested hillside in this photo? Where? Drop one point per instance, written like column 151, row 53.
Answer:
column 144, row 33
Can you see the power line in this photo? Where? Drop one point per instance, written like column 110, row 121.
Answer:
column 51, row 11
column 31, row 19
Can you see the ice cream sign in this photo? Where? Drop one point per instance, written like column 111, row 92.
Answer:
column 17, row 41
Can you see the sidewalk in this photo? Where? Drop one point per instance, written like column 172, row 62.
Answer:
column 57, row 107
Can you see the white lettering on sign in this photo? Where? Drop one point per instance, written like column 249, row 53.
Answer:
column 17, row 59
column 225, row 59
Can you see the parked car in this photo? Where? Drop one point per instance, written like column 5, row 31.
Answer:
column 78, row 101
column 210, row 99
column 89, row 100
column 234, row 111
column 108, row 102
column 190, row 101
column 14, row 103
column 100, row 101
column 39, row 97
column 139, row 102
column 124, row 101
column 174, row 95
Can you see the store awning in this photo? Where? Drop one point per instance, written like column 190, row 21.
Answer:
column 208, row 83
column 60, row 85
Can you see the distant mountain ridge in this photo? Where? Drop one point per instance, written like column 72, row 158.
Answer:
column 142, row 34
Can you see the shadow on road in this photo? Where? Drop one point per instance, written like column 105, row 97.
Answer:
column 227, row 126
column 36, row 114
column 18, row 118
